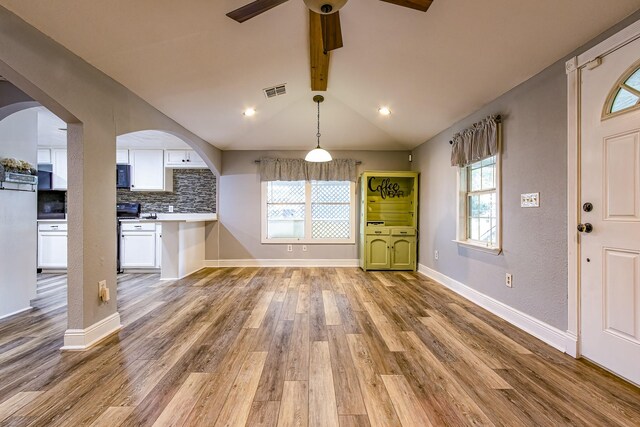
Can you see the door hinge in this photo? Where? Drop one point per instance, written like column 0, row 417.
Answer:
column 594, row 63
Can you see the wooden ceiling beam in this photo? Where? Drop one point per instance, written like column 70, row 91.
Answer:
column 319, row 59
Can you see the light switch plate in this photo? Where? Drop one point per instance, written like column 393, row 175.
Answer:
column 530, row 200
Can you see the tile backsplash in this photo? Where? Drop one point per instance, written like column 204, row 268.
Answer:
column 194, row 191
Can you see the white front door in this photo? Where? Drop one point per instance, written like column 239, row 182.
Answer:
column 610, row 254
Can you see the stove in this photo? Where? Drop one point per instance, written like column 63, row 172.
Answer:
column 124, row 211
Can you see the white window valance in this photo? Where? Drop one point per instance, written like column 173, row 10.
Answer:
column 301, row 170
column 476, row 143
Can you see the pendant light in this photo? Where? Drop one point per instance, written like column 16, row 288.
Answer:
column 318, row 154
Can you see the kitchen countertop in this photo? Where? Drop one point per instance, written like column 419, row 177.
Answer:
column 178, row 217
column 163, row 217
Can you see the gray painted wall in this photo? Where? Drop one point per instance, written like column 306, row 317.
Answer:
column 534, row 159
column 18, row 235
column 239, row 206
column 97, row 109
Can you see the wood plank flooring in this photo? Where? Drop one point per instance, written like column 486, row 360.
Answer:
column 297, row 347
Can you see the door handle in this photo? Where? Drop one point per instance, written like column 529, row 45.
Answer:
column 585, row 228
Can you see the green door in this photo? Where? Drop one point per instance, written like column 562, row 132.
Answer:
column 377, row 253
column 403, row 253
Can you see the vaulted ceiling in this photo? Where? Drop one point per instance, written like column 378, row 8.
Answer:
column 203, row 69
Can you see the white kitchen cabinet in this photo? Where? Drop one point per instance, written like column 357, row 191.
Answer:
column 52, row 245
column 138, row 246
column 158, row 245
column 186, row 159
column 148, row 172
column 44, row 156
column 59, row 177
column 122, row 157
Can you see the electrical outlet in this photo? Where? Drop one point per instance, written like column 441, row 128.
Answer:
column 530, row 200
column 170, row 209
column 436, row 254
column 509, row 280
column 304, row 248
column 289, row 248
column 103, row 291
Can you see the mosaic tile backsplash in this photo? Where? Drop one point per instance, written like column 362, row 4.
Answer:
column 194, row 191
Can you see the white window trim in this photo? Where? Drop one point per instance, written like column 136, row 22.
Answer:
column 461, row 210
column 307, row 222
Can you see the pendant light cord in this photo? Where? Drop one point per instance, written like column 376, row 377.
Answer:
column 318, row 134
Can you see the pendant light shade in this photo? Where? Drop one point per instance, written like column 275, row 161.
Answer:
column 318, row 154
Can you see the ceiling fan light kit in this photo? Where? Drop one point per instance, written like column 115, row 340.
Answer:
column 324, row 28
column 325, row 7
column 318, row 154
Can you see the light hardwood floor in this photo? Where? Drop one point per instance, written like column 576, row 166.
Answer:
column 297, row 347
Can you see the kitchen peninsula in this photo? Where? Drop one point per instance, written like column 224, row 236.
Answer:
column 183, row 242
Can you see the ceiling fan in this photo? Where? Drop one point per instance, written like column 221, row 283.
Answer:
column 324, row 28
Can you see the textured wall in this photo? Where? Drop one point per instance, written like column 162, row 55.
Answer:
column 194, row 191
column 534, row 159
column 240, row 198
column 18, row 247
column 97, row 109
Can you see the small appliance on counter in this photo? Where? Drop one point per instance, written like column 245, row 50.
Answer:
column 127, row 210
column 124, row 211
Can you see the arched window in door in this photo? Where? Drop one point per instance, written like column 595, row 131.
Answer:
column 625, row 95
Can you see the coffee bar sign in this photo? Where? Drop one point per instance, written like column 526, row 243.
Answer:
column 386, row 188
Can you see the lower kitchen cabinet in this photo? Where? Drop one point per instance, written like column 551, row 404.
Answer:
column 378, row 252
column 52, row 245
column 392, row 250
column 403, row 250
column 140, row 245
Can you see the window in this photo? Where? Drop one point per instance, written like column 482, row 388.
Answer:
column 625, row 96
column 308, row 212
column 479, row 204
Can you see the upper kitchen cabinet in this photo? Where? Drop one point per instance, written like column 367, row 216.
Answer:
column 59, row 161
column 122, row 157
column 187, row 159
column 44, row 156
column 148, row 172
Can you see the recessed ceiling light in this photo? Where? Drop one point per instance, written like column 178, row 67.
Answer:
column 385, row 111
column 249, row 112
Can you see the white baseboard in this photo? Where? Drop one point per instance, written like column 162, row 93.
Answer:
column 282, row 263
column 22, row 310
column 541, row 330
column 82, row 339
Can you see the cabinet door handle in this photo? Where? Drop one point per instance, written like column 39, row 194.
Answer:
column 403, row 232
column 54, row 227
column 378, row 232
column 137, row 226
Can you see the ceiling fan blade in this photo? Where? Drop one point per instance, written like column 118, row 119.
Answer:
column 319, row 58
column 421, row 5
column 252, row 9
column 331, row 31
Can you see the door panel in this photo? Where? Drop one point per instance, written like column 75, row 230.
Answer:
column 402, row 253
column 621, row 177
column 377, row 252
column 610, row 254
column 622, row 294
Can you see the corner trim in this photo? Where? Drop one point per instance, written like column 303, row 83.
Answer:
column 282, row 263
column 541, row 330
column 22, row 310
column 83, row 339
